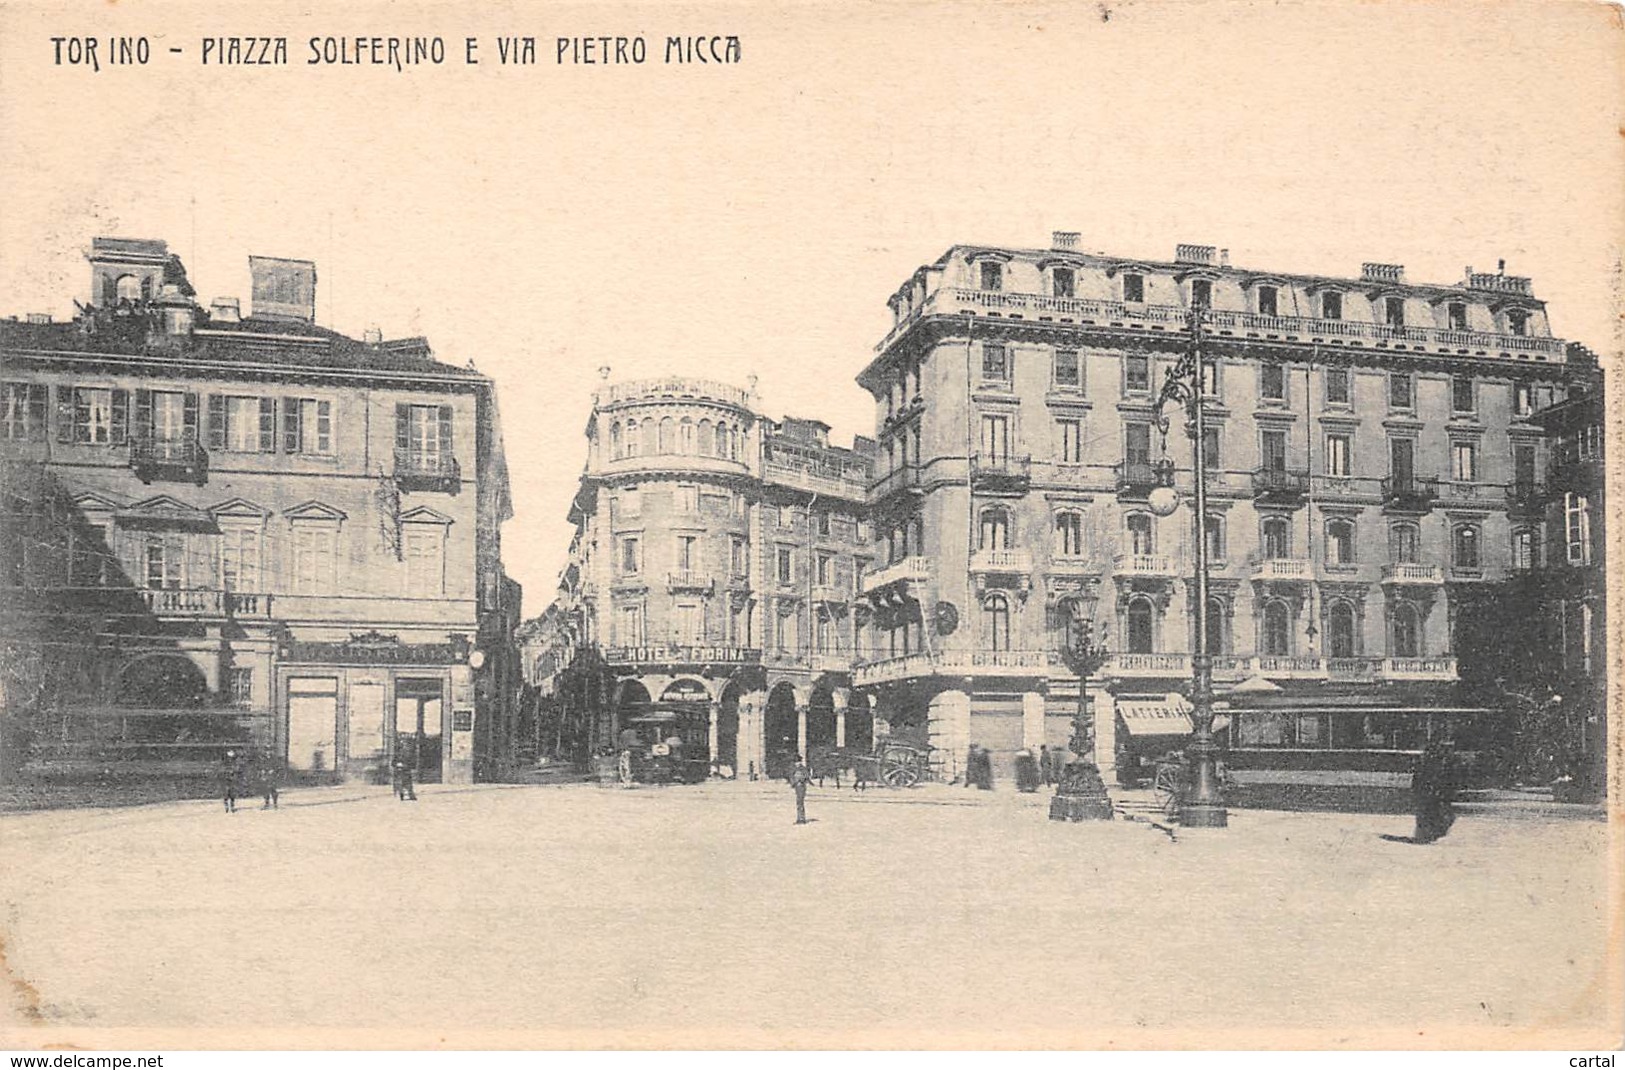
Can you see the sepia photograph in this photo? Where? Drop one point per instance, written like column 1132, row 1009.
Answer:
column 931, row 526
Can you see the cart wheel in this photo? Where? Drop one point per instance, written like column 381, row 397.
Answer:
column 1165, row 787
column 897, row 775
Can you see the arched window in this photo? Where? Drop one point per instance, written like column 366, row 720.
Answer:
column 668, row 431
column 1525, row 549
column 685, row 437
column 722, row 440
column 1407, row 632
column 707, row 443
column 1141, row 534
column 615, row 442
column 1068, row 534
column 1277, row 629
column 1340, row 630
column 651, row 438
column 1142, row 626
column 996, row 620
column 632, row 438
column 1277, row 537
column 1214, row 530
column 1340, row 542
column 128, row 288
column 1464, row 546
column 1405, row 544
column 995, row 528
column 1218, row 637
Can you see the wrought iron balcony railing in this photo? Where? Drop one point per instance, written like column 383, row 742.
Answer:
column 417, row 470
column 182, row 459
column 1410, row 492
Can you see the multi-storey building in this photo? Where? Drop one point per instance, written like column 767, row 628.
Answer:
column 715, row 562
column 228, row 529
column 1538, row 640
column 1368, row 441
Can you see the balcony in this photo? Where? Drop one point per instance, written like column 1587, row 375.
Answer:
column 1171, row 319
column 1232, row 667
column 1428, row 575
column 1409, row 494
column 1353, row 670
column 1527, row 499
column 830, row 661
column 1161, row 665
column 1291, row 667
column 1161, row 565
column 1000, row 472
column 1282, row 568
column 178, row 460
column 415, row 470
column 908, row 570
column 1279, row 486
column 902, row 480
column 954, row 663
column 688, row 580
column 1002, row 562
column 1136, row 479
column 1441, row 669
column 198, row 603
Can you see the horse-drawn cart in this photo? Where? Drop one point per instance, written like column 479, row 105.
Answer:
column 896, row 765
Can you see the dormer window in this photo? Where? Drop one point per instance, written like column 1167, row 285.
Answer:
column 1134, row 289
column 1268, row 301
column 1393, row 311
column 1518, row 322
column 1201, row 293
column 992, row 275
column 1063, row 282
column 1331, row 305
column 1457, row 311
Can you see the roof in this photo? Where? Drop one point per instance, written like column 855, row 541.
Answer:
column 257, row 339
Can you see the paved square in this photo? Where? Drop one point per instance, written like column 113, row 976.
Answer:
column 580, row 915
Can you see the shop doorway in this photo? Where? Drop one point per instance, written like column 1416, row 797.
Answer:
column 419, row 713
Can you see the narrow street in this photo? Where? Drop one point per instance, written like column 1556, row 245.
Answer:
column 683, row 916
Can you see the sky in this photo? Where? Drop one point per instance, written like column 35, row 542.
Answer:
column 752, row 218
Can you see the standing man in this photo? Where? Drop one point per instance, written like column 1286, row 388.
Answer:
column 403, row 780
column 799, row 776
column 269, row 777
column 230, row 770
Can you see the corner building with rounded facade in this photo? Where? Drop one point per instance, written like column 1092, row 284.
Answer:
column 715, row 563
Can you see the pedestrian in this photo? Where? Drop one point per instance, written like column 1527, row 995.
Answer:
column 984, row 759
column 1044, row 770
column 1433, row 789
column 230, row 774
column 403, row 781
column 799, row 777
column 269, row 778
column 1028, row 778
column 971, row 766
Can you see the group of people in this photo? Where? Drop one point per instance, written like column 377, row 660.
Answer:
column 979, row 768
column 259, row 775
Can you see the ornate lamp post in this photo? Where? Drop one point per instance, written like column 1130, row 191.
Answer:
column 1204, row 806
column 1081, row 794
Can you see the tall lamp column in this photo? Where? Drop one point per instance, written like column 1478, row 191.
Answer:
column 1081, row 794
column 1203, row 803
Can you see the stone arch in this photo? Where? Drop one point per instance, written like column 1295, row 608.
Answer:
column 821, row 716
column 160, row 681
column 781, row 729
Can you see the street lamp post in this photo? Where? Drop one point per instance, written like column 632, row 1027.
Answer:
column 1081, row 794
column 1203, row 805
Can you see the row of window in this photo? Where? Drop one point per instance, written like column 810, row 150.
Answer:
column 1067, row 374
column 239, row 423
column 670, row 435
column 686, row 499
column 828, row 569
column 1265, row 301
column 237, row 559
column 995, row 446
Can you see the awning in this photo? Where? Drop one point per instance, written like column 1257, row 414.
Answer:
column 1169, row 715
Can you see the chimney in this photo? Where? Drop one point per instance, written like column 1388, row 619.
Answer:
column 373, row 336
column 1500, row 267
column 283, row 289
column 1064, row 240
column 226, row 310
column 1186, row 253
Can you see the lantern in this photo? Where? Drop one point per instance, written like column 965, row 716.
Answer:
column 1163, row 501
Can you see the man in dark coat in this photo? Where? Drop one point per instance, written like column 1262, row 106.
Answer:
column 1044, row 769
column 231, row 775
column 799, row 776
column 403, row 780
column 1433, row 789
column 269, row 782
column 1028, row 776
